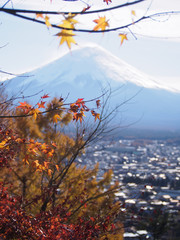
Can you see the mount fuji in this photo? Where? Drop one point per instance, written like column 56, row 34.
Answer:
column 83, row 73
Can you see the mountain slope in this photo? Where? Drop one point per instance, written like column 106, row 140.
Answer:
column 84, row 72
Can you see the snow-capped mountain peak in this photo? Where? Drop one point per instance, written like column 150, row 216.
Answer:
column 84, row 72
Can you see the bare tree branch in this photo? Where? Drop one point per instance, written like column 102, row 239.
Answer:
column 14, row 11
column 93, row 31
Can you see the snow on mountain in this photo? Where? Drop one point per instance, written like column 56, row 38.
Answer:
column 84, row 72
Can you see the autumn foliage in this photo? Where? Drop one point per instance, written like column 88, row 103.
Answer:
column 44, row 194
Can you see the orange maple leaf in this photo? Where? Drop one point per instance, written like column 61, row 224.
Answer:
column 96, row 115
column 50, row 154
column 101, row 24
column 41, row 104
column 25, row 106
column 39, row 15
column 49, row 172
column 85, row 9
column 80, row 102
column 57, row 167
column 98, row 103
column 78, row 116
column 46, row 164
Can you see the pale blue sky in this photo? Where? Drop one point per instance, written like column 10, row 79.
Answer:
column 31, row 45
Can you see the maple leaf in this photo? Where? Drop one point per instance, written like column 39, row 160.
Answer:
column 41, row 104
column 85, row 9
column 133, row 13
column 46, row 164
column 78, row 116
column 57, row 167
column 101, row 24
column 50, row 154
column 3, row 143
column 66, row 36
column 54, row 145
column 45, row 96
column 107, row 1
column 25, row 160
column 123, row 37
column 36, row 163
column 35, row 112
column 25, row 106
column 69, row 21
column 80, row 102
column 47, row 21
column 49, row 172
column 98, row 103
column 56, row 118
column 39, row 15
column 74, row 107
column 92, row 219
column 96, row 115
column 43, row 146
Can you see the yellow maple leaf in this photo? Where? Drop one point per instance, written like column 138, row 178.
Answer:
column 69, row 22
column 66, row 36
column 36, row 163
column 56, row 118
column 2, row 144
column 101, row 23
column 43, row 146
column 123, row 37
column 47, row 21
column 35, row 112
column 133, row 13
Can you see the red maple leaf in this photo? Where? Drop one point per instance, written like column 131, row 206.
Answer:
column 107, row 1
column 45, row 96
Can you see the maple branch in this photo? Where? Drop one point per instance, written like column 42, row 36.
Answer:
column 55, row 108
column 110, row 191
column 6, row 3
column 4, row 45
column 99, row 31
column 13, row 74
column 14, row 11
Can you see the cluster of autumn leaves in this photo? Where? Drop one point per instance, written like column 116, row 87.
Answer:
column 77, row 109
column 67, row 36
column 58, row 111
column 44, row 194
column 67, row 26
